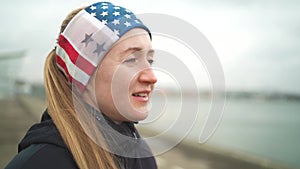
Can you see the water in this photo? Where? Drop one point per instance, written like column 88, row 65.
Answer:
column 266, row 129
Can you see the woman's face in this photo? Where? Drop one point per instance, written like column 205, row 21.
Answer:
column 124, row 80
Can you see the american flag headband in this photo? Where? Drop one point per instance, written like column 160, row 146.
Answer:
column 89, row 36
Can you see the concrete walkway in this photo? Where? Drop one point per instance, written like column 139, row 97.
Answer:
column 14, row 122
column 17, row 115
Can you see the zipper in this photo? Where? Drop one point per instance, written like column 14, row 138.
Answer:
column 133, row 132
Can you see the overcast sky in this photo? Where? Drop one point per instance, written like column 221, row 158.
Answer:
column 258, row 42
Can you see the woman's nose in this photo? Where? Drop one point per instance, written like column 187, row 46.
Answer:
column 147, row 76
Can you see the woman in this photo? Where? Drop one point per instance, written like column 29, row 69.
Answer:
column 98, row 81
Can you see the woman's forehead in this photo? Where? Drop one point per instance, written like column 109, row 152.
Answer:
column 135, row 39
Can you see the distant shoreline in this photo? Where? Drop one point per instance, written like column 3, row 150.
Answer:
column 38, row 90
column 263, row 95
column 260, row 95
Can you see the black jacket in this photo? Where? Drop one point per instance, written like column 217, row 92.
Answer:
column 43, row 148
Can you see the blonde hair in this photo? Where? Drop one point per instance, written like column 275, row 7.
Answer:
column 60, row 103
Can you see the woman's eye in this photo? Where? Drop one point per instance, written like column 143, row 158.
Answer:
column 131, row 60
column 151, row 61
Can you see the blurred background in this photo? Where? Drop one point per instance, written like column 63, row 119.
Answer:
column 258, row 44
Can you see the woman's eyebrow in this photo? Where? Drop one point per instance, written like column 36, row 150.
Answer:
column 151, row 51
column 135, row 49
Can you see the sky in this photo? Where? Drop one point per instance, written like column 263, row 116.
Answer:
column 257, row 42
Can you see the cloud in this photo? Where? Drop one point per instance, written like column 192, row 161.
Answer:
column 256, row 38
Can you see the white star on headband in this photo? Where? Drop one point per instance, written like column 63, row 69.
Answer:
column 104, row 13
column 127, row 10
column 104, row 7
column 116, row 22
column 116, row 32
column 116, row 13
column 104, row 22
column 127, row 24
column 127, row 16
column 93, row 8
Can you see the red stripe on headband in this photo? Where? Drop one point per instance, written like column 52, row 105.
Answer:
column 62, row 64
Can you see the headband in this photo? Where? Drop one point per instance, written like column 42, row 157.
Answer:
column 89, row 36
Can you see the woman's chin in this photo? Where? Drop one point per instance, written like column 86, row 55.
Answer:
column 136, row 115
column 141, row 115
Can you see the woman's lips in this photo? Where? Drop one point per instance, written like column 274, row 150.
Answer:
column 142, row 96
